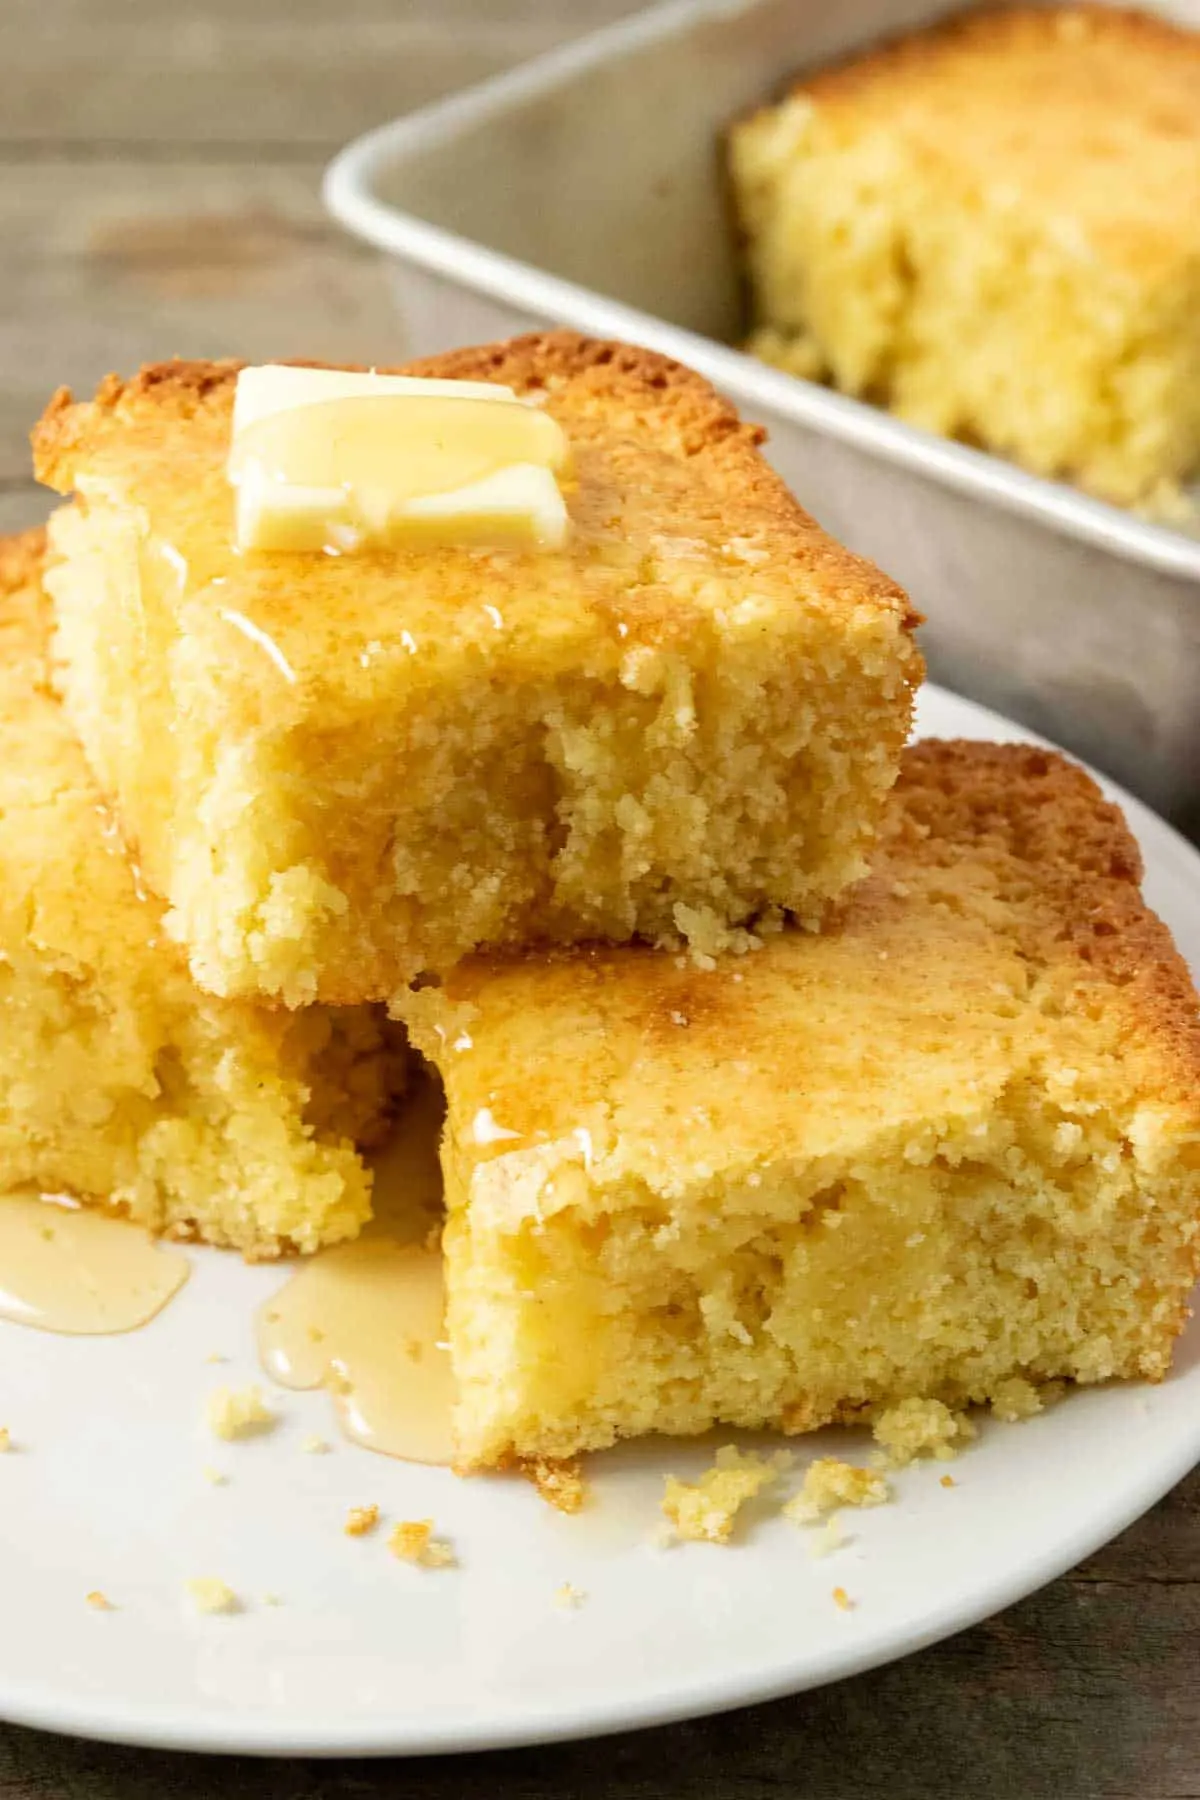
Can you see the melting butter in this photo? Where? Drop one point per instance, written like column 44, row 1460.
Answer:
column 395, row 468
column 366, row 1320
column 68, row 1269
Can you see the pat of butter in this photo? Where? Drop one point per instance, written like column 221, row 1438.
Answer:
column 325, row 460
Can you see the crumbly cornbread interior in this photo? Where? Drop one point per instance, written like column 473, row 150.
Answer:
column 345, row 771
column 120, row 1082
column 993, row 228
column 951, row 1142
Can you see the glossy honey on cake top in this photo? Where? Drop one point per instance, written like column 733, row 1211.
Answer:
column 345, row 770
column 993, row 227
column 120, row 1082
column 952, row 1140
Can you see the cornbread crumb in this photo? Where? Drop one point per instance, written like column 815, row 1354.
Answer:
column 1015, row 1399
column 560, row 1484
column 706, row 1511
column 828, row 1484
column 568, row 1597
column 842, row 1600
column 914, row 1428
column 238, row 1412
column 360, row 1520
column 99, row 1602
column 828, row 1538
column 210, row 1595
column 314, row 1445
column 214, row 1477
column 215, row 1356
column 413, row 1541
column 272, row 1600
column 948, row 1481
column 5, row 1439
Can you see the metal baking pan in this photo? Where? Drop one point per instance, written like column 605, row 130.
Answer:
column 585, row 189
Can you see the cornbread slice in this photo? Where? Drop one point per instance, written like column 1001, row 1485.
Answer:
column 953, row 1140
column 342, row 772
column 993, row 228
column 119, row 1081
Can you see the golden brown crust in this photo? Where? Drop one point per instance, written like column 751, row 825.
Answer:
column 590, row 372
column 1064, row 870
column 1049, row 819
column 21, row 560
column 998, row 31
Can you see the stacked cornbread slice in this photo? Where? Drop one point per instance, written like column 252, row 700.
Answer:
column 773, row 1095
column 347, row 771
column 951, row 1141
column 121, row 1082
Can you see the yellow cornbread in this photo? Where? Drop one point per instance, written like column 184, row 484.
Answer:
column 953, row 1140
column 119, row 1081
column 993, row 228
column 344, row 771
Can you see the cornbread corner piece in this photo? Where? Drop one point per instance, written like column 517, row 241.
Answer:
column 119, row 1081
column 345, row 771
column 1026, row 277
column 950, row 1141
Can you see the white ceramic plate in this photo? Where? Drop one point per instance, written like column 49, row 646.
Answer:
column 366, row 1655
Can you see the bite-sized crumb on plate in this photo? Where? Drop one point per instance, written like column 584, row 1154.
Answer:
column 561, row 1484
column 238, row 1412
column 208, row 1594
column 568, row 1598
column 214, row 1477
column 830, row 1483
column 99, row 1602
column 706, row 1511
column 1021, row 1399
column 5, row 1439
column 360, row 1520
column 842, row 1600
column 314, row 1445
column 413, row 1541
column 915, row 1428
column 827, row 1538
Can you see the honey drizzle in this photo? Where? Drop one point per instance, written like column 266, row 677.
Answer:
column 365, row 1320
column 67, row 1269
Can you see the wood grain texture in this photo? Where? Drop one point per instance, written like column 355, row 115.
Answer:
column 158, row 194
column 282, row 73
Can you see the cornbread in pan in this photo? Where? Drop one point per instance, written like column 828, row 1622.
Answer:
column 344, row 772
column 119, row 1082
column 993, row 228
column 951, row 1141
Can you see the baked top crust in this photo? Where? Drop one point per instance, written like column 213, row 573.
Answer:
column 678, row 462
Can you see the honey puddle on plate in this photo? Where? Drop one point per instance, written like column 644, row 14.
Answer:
column 68, row 1269
column 365, row 1319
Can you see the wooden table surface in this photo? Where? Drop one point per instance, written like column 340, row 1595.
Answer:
column 160, row 195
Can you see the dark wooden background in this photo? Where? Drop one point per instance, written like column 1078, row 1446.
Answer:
column 159, row 194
